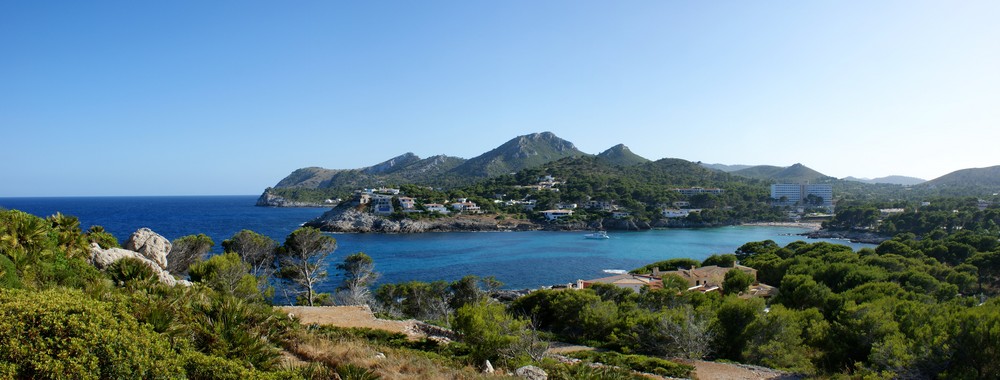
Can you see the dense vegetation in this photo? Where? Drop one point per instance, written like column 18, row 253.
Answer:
column 920, row 305
column 60, row 317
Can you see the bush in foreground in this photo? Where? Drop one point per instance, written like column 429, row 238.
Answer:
column 49, row 334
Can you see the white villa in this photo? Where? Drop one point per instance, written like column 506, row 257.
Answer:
column 432, row 207
column 556, row 214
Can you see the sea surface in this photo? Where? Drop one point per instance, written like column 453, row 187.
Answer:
column 519, row 259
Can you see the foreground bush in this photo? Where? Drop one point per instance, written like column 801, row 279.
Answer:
column 58, row 333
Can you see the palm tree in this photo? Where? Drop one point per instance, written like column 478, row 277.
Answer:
column 23, row 237
column 69, row 237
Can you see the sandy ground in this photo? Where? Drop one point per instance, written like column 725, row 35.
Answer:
column 350, row 316
column 725, row 371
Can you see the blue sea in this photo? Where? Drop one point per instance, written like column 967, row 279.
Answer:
column 519, row 259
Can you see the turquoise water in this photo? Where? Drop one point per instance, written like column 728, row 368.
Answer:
column 539, row 258
column 519, row 259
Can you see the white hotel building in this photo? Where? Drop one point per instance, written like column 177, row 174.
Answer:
column 795, row 193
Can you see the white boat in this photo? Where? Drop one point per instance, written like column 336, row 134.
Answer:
column 597, row 235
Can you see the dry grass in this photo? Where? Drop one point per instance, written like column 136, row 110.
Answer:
column 397, row 363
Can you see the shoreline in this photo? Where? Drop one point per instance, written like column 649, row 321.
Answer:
column 812, row 226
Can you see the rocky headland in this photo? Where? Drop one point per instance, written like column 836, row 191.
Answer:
column 349, row 219
column 267, row 199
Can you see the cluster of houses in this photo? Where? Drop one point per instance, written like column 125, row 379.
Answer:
column 380, row 201
column 546, row 183
column 704, row 279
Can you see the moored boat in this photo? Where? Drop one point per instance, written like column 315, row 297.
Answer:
column 597, row 235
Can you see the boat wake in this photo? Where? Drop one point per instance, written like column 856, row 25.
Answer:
column 615, row 271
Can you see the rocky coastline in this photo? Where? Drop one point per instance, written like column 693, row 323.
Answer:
column 271, row 200
column 866, row 237
column 350, row 219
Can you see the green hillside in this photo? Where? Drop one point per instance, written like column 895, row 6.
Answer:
column 620, row 155
column 797, row 173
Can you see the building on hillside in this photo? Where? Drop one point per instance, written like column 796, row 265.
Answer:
column 789, row 194
column 889, row 211
column 681, row 204
column 620, row 214
column 381, row 205
column 675, row 213
column 602, row 205
column 529, row 205
column 466, row 206
column 627, row 280
column 436, row 207
column 364, row 198
column 551, row 215
column 407, row 203
column 707, row 276
column 565, row 206
column 698, row 190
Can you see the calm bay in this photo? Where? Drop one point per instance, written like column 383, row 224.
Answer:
column 519, row 259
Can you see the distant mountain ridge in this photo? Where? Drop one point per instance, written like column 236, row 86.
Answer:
column 988, row 177
column 519, row 153
column 892, row 180
column 726, row 168
column 797, row 173
column 312, row 185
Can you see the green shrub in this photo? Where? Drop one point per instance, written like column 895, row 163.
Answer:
column 49, row 334
column 8, row 274
column 227, row 274
column 353, row 372
column 199, row 366
column 583, row 371
column 235, row 329
column 129, row 270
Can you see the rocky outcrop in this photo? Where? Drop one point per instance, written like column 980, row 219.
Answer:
column 853, row 236
column 103, row 258
column 267, row 199
column 150, row 245
column 349, row 219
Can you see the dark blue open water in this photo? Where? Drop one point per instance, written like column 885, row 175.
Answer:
column 519, row 259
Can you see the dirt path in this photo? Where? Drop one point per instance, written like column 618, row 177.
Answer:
column 725, row 371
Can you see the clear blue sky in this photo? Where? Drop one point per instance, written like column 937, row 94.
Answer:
column 228, row 97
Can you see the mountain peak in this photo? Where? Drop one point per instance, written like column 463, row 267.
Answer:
column 620, row 155
column 520, row 152
column 392, row 164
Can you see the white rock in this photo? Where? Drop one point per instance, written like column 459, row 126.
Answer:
column 102, row 258
column 150, row 245
column 488, row 367
column 530, row 372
